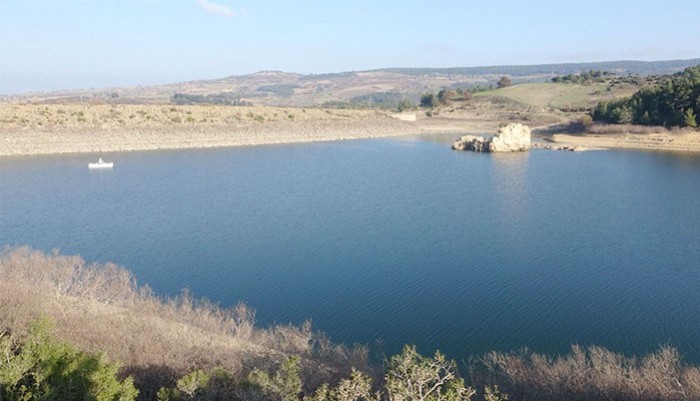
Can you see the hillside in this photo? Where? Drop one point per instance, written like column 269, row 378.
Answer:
column 60, row 125
column 549, row 95
column 673, row 102
column 376, row 88
column 81, row 127
column 622, row 67
column 100, row 308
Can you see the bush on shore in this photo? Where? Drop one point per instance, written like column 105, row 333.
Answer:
column 409, row 377
column 100, row 308
column 593, row 373
column 42, row 368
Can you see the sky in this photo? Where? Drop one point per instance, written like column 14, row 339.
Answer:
column 69, row 44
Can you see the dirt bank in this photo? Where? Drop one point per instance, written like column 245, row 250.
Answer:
column 32, row 129
column 682, row 142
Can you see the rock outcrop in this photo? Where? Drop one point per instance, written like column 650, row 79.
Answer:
column 511, row 138
column 473, row 143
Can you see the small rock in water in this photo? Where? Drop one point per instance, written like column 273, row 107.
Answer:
column 473, row 143
column 511, row 138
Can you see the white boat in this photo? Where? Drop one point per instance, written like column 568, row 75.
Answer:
column 100, row 164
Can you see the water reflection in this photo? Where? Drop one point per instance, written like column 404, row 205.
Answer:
column 509, row 184
column 686, row 159
column 448, row 138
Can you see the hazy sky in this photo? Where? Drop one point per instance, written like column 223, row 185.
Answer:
column 59, row 44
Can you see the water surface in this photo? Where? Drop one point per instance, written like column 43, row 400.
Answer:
column 392, row 241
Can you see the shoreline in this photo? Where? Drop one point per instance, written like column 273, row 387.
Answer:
column 90, row 142
column 38, row 129
column 21, row 143
column 687, row 142
column 29, row 130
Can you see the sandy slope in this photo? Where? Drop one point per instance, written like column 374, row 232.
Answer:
column 683, row 142
column 32, row 129
column 88, row 140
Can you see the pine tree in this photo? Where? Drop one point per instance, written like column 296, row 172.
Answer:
column 504, row 82
column 689, row 118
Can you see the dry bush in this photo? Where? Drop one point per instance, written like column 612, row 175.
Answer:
column 612, row 129
column 69, row 116
column 100, row 307
column 592, row 373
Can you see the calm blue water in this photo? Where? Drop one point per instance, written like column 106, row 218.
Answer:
column 392, row 241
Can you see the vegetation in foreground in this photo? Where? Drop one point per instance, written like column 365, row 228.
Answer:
column 100, row 309
column 42, row 368
column 183, row 349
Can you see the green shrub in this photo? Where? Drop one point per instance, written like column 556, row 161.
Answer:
column 405, row 104
column 494, row 394
column 689, row 118
column 446, row 96
column 283, row 385
column 428, row 100
column 256, row 117
column 410, row 377
column 504, row 82
column 357, row 388
column 199, row 385
column 42, row 368
column 414, row 377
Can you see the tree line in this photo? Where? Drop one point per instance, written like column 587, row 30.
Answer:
column 382, row 100
column 219, row 99
column 673, row 102
column 584, row 77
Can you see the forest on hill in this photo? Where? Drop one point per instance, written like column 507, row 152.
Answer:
column 673, row 102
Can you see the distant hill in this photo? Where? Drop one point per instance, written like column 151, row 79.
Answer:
column 376, row 88
column 622, row 67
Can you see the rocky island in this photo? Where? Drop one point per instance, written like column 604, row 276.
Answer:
column 513, row 137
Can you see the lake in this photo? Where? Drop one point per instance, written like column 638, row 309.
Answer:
column 392, row 241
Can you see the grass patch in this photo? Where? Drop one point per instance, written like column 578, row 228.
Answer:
column 558, row 95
